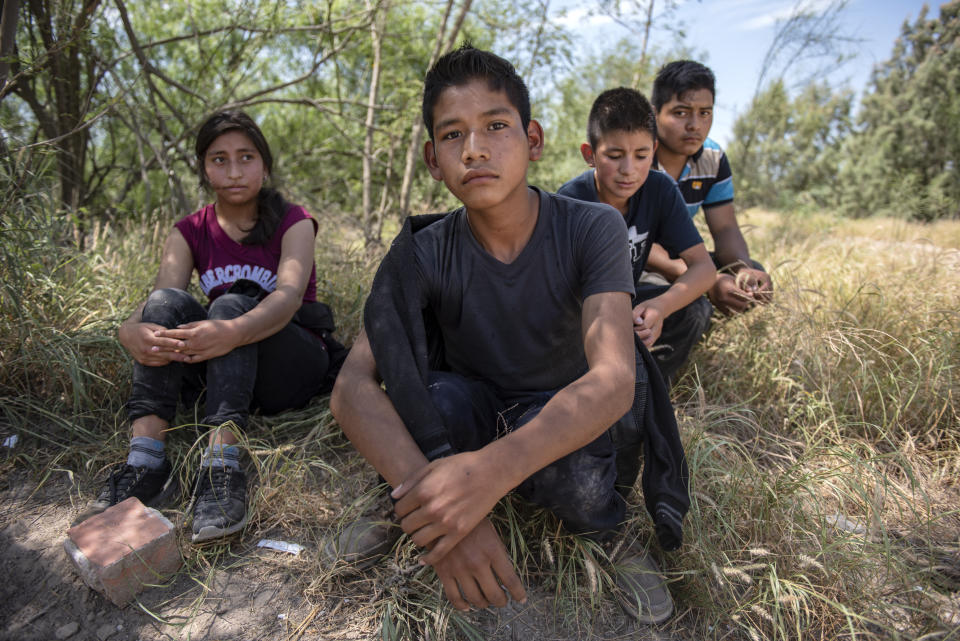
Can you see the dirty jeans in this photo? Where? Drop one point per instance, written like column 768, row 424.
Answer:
column 578, row 488
column 281, row 372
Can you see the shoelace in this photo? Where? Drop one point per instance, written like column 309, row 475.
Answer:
column 217, row 478
column 118, row 474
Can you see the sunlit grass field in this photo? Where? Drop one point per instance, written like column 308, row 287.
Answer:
column 822, row 433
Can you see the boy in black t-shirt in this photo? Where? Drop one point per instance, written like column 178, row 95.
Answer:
column 622, row 134
column 528, row 295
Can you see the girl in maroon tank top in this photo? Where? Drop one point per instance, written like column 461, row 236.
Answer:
column 253, row 254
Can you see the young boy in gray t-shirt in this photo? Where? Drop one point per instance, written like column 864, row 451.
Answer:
column 528, row 295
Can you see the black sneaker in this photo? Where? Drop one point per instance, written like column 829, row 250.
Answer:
column 154, row 488
column 220, row 503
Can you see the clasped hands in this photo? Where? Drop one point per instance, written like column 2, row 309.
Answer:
column 154, row 345
column 443, row 506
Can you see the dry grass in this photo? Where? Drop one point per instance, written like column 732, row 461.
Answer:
column 823, row 435
column 823, row 439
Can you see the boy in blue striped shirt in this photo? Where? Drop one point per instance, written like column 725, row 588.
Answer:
column 683, row 97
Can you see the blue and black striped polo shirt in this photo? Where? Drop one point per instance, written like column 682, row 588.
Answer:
column 706, row 180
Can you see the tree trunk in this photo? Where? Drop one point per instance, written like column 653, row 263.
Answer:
column 642, row 64
column 416, row 131
column 63, row 32
column 371, row 235
column 9, row 10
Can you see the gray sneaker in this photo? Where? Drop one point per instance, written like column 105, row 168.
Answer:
column 642, row 591
column 362, row 543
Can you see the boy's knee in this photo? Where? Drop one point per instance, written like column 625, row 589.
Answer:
column 227, row 306
column 451, row 396
column 690, row 321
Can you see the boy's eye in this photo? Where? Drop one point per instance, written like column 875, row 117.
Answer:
column 498, row 125
column 217, row 160
column 450, row 135
column 614, row 156
column 680, row 113
column 248, row 157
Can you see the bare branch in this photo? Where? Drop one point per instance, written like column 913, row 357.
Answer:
column 317, row 63
column 146, row 64
column 81, row 127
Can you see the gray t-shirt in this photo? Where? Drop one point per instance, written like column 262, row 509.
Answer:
column 518, row 326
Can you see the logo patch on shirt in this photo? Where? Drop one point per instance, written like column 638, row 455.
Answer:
column 637, row 243
column 696, row 184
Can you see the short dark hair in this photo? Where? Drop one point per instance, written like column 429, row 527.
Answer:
column 680, row 76
column 468, row 63
column 620, row 109
column 271, row 205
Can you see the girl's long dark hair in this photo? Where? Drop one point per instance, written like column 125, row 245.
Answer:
column 271, row 205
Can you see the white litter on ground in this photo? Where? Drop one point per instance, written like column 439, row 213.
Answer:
column 281, row 546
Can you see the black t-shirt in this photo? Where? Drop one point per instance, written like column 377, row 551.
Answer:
column 517, row 326
column 656, row 213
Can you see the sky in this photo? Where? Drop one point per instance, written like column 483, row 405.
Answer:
column 734, row 35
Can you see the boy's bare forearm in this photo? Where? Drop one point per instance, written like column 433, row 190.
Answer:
column 729, row 245
column 699, row 277
column 446, row 499
column 370, row 421
column 659, row 261
column 731, row 248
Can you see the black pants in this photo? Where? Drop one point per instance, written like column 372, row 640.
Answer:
column 580, row 488
column 681, row 329
column 281, row 372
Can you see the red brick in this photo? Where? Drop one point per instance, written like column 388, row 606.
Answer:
column 125, row 547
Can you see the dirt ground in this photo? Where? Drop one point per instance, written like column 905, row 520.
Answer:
column 245, row 593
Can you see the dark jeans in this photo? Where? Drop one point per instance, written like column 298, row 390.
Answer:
column 681, row 329
column 281, row 372
column 579, row 488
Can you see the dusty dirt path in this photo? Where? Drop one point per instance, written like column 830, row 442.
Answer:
column 246, row 593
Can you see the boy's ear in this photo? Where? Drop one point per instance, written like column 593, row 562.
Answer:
column 535, row 140
column 430, row 158
column 587, row 152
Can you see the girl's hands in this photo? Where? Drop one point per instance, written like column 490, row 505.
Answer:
column 202, row 340
column 147, row 346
